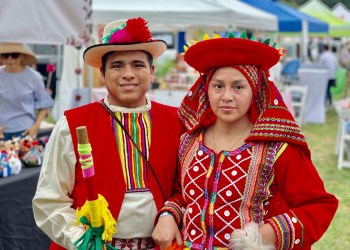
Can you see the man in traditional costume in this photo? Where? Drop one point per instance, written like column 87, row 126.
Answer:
column 134, row 145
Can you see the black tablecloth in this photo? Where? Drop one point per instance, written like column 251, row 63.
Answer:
column 17, row 226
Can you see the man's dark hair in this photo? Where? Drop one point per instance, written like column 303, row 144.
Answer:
column 105, row 57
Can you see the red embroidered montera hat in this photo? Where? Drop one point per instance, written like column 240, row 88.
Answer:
column 268, row 112
column 220, row 52
column 121, row 35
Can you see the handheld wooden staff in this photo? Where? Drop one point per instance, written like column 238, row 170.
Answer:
column 95, row 214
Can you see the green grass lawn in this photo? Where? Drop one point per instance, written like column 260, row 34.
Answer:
column 322, row 141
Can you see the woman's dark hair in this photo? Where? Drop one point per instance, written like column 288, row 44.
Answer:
column 105, row 57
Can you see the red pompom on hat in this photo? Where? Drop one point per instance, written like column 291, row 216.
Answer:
column 121, row 35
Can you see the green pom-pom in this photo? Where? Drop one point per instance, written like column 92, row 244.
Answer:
column 253, row 38
column 231, row 35
column 243, row 34
column 274, row 45
column 267, row 41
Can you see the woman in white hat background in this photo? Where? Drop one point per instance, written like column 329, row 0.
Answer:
column 24, row 103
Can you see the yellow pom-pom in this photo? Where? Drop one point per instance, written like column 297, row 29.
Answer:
column 216, row 36
column 193, row 42
column 206, row 37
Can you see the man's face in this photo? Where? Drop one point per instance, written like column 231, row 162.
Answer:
column 127, row 77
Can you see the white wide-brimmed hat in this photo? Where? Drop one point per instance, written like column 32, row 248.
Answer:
column 29, row 57
column 121, row 35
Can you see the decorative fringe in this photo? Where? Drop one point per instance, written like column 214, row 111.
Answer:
column 91, row 239
column 108, row 222
column 248, row 238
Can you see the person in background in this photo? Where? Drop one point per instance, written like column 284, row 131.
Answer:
column 134, row 145
column 345, row 63
column 24, row 102
column 329, row 61
column 345, row 55
column 248, row 181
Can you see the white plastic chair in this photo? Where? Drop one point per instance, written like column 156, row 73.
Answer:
column 299, row 94
column 343, row 137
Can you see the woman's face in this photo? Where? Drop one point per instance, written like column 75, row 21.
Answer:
column 11, row 59
column 229, row 94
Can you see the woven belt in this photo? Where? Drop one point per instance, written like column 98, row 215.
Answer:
column 133, row 244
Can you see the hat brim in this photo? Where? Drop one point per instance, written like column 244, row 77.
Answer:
column 29, row 57
column 221, row 52
column 93, row 54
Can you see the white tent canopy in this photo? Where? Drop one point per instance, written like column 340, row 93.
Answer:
column 169, row 15
column 48, row 22
column 43, row 21
column 165, row 16
column 342, row 12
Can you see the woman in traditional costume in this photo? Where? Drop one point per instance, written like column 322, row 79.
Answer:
column 248, row 181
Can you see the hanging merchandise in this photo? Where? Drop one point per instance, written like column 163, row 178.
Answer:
column 50, row 68
column 78, row 73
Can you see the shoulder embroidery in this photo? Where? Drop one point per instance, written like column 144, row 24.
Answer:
column 280, row 150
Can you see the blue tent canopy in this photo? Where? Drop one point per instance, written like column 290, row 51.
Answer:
column 289, row 19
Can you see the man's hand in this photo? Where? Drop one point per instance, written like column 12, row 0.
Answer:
column 166, row 231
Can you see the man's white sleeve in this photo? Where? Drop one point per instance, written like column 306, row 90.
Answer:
column 51, row 204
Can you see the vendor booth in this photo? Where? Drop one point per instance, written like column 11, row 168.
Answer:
column 291, row 21
column 317, row 9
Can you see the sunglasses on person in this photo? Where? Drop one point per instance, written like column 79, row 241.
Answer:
column 7, row 55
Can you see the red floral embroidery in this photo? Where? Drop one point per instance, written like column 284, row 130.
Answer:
column 127, row 244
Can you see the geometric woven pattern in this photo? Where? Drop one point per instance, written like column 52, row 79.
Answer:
column 214, row 186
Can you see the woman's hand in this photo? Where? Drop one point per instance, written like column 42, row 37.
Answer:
column 2, row 128
column 32, row 131
column 166, row 231
column 267, row 234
